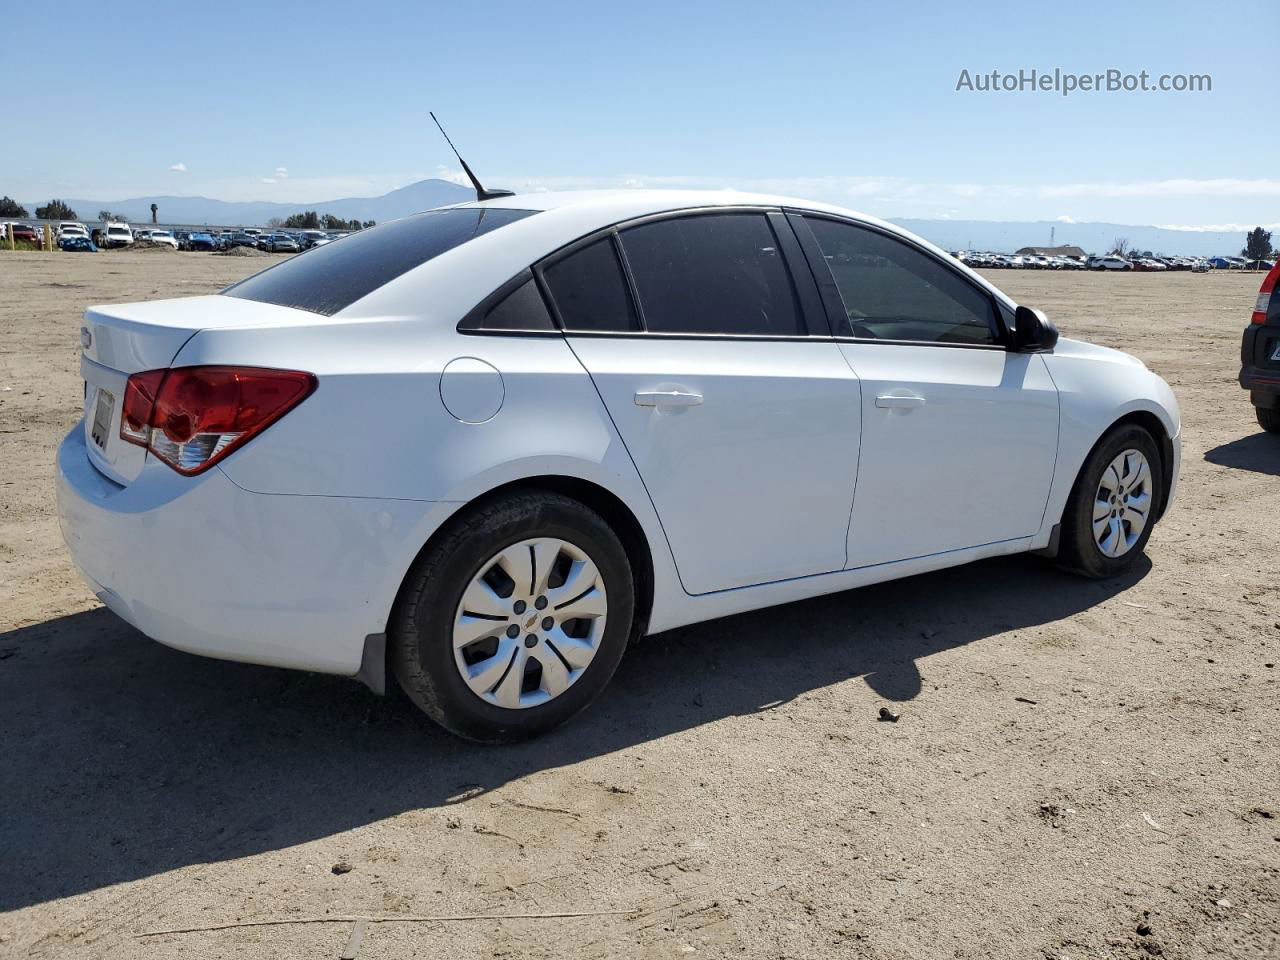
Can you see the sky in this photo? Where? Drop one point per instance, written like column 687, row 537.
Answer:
column 853, row 103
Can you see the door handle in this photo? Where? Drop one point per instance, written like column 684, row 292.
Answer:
column 895, row 402
column 667, row 398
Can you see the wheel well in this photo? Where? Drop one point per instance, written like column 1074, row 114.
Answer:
column 615, row 513
column 1151, row 423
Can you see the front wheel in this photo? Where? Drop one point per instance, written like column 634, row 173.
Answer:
column 1113, row 505
column 1268, row 418
column 515, row 619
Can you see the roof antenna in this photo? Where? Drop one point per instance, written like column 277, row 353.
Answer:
column 481, row 192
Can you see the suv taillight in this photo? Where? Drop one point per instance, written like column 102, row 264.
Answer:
column 1263, row 306
column 192, row 417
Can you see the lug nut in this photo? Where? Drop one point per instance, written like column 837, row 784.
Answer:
column 513, row 631
column 547, row 623
column 520, row 606
column 531, row 641
column 540, row 603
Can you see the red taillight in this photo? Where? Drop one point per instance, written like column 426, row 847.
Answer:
column 1263, row 306
column 192, row 417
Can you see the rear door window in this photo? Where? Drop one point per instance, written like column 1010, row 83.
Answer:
column 336, row 275
column 712, row 274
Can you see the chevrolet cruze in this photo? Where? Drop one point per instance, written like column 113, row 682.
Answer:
column 484, row 447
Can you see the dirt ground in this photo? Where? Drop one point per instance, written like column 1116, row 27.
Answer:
column 1076, row 762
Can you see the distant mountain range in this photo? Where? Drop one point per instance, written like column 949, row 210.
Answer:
column 984, row 235
column 202, row 211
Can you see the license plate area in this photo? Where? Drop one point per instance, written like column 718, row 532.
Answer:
column 103, row 408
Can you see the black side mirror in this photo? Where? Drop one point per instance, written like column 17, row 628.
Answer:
column 1033, row 332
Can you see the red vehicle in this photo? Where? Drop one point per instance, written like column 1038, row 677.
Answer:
column 25, row 233
column 1260, row 354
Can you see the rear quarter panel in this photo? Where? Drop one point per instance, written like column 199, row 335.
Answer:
column 377, row 427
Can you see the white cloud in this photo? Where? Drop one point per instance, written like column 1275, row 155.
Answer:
column 1065, row 219
column 268, row 179
column 1218, row 227
column 178, row 167
column 453, row 175
column 282, row 172
column 1176, row 188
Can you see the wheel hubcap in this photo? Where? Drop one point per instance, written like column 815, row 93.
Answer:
column 1122, row 505
column 529, row 623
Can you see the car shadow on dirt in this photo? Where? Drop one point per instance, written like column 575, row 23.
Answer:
column 122, row 758
column 1259, row 452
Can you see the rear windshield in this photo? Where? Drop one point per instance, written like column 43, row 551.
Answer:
column 330, row 278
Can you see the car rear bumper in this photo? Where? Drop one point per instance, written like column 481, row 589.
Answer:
column 1259, row 374
column 205, row 566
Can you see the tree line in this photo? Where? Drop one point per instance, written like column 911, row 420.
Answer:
column 53, row 210
column 311, row 220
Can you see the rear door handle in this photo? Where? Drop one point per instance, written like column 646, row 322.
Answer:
column 667, row 398
column 895, row 402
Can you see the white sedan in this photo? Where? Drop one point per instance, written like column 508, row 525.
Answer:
column 484, row 447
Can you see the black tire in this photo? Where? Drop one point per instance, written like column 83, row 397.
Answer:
column 421, row 644
column 1268, row 418
column 1077, row 550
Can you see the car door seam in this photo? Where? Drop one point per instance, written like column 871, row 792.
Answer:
column 635, row 466
column 1057, row 445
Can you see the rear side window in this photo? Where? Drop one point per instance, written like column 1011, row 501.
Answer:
column 712, row 273
column 892, row 291
column 332, row 277
column 589, row 290
column 521, row 309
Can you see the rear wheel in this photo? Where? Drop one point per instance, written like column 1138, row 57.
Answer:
column 515, row 619
column 1113, row 505
column 1268, row 418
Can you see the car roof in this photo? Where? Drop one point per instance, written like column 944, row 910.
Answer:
column 616, row 205
column 461, row 277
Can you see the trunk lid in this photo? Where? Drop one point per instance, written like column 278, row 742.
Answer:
column 123, row 339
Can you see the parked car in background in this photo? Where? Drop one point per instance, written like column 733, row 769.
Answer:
column 72, row 229
column 1200, row 266
column 26, row 233
column 309, row 237
column 633, row 386
column 163, row 237
column 1259, row 264
column 1112, row 262
column 1260, row 354
column 77, row 243
column 242, row 240
column 201, row 241
column 1221, row 263
column 281, row 243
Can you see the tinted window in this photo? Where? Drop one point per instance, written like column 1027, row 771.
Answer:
column 712, row 273
column 893, row 291
column 336, row 275
column 589, row 290
column 522, row 309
